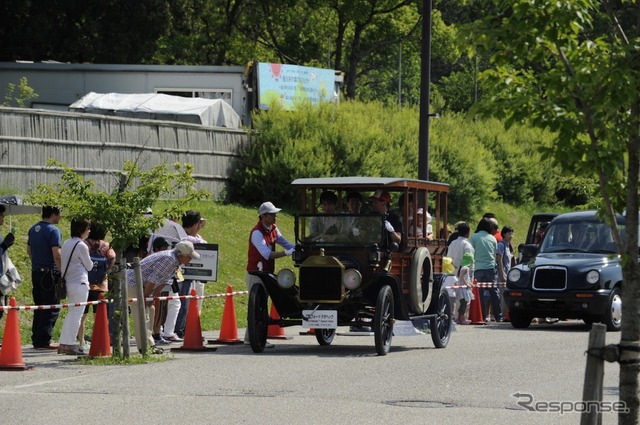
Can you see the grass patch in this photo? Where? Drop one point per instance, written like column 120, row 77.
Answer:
column 132, row 360
column 228, row 226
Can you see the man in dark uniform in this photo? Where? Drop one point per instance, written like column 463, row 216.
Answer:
column 43, row 247
column 380, row 201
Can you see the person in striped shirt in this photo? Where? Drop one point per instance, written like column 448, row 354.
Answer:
column 156, row 269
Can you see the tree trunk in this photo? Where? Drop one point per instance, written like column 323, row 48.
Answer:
column 630, row 332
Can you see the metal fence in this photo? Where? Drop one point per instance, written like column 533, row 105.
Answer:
column 97, row 146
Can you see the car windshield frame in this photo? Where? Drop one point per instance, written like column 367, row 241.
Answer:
column 342, row 229
column 582, row 236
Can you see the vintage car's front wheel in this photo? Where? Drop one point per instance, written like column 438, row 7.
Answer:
column 257, row 318
column 612, row 318
column 325, row 336
column 440, row 325
column 383, row 321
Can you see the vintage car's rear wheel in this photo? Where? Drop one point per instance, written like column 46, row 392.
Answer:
column 612, row 318
column 325, row 336
column 420, row 278
column 440, row 325
column 520, row 319
column 257, row 318
column 383, row 321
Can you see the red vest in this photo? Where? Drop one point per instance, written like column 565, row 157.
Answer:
column 255, row 257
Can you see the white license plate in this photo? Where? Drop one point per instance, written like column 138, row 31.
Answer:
column 319, row 319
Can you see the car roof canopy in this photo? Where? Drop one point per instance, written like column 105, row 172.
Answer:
column 367, row 183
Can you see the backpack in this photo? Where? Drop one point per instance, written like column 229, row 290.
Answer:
column 99, row 271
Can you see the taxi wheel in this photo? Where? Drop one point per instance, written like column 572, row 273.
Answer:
column 613, row 316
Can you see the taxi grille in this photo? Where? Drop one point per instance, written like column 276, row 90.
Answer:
column 550, row 278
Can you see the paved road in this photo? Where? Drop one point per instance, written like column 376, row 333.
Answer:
column 299, row 382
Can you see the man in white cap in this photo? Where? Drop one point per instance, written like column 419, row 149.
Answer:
column 262, row 247
column 156, row 269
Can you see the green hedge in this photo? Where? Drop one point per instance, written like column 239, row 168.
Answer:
column 479, row 158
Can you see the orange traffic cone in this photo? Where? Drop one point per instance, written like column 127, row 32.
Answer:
column 193, row 331
column 100, row 340
column 475, row 311
column 275, row 331
column 228, row 328
column 11, row 350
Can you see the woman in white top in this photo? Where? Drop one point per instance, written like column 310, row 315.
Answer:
column 76, row 262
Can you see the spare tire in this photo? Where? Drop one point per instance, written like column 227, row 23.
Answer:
column 420, row 280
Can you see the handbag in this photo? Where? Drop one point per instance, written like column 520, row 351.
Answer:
column 60, row 284
column 10, row 279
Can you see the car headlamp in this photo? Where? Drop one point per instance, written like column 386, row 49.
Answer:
column 593, row 276
column 514, row 275
column 286, row 278
column 352, row 279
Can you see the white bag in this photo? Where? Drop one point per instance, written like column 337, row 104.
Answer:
column 10, row 279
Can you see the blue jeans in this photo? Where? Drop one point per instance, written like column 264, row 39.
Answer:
column 489, row 276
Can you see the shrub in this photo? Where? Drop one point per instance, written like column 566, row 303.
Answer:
column 479, row 159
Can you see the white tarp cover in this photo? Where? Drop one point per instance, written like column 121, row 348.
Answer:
column 196, row 110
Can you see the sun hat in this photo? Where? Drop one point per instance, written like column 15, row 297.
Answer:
column 186, row 248
column 268, row 208
column 467, row 259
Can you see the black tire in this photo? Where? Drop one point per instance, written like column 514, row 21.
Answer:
column 612, row 318
column 383, row 321
column 325, row 336
column 520, row 319
column 440, row 325
column 257, row 318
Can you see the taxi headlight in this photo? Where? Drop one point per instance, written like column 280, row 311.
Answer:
column 514, row 275
column 593, row 276
column 352, row 279
column 286, row 278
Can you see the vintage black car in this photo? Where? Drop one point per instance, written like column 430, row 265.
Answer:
column 576, row 274
column 350, row 275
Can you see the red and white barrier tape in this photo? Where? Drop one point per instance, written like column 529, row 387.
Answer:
column 181, row 297
column 479, row 285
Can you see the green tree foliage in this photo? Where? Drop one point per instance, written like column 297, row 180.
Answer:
column 362, row 38
column 574, row 67
column 480, row 160
column 120, row 210
column 19, row 95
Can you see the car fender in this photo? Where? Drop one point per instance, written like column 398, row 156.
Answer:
column 284, row 300
column 387, row 279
